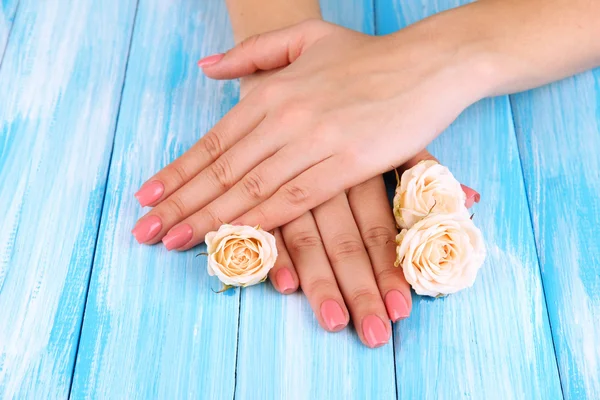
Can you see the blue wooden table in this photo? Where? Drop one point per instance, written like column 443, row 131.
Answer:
column 95, row 96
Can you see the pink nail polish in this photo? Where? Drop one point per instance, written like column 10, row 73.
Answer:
column 210, row 60
column 472, row 196
column 396, row 305
column 147, row 228
column 285, row 281
column 333, row 315
column 149, row 193
column 374, row 331
column 178, row 237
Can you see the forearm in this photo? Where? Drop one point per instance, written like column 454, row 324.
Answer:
column 521, row 44
column 250, row 17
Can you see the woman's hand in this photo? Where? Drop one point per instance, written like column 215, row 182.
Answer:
column 349, row 107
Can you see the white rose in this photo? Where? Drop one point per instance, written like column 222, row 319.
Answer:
column 240, row 255
column 440, row 254
column 427, row 187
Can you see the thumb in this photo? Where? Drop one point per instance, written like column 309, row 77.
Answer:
column 265, row 51
column 472, row 196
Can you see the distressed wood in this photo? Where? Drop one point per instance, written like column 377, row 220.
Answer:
column 7, row 14
column 559, row 139
column 492, row 341
column 298, row 359
column 153, row 328
column 60, row 85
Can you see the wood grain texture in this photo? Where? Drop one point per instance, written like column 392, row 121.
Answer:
column 492, row 341
column 7, row 14
column 60, row 81
column 559, row 139
column 298, row 359
column 153, row 328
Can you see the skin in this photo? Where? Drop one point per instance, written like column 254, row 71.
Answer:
column 303, row 136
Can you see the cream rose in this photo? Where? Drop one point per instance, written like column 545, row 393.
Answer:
column 427, row 187
column 240, row 255
column 440, row 254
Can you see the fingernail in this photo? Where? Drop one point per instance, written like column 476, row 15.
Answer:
column 149, row 193
column 374, row 331
column 333, row 315
column 178, row 237
column 472, row 196
column 285, row 281
column 396, row 305
column 210, row 60
column 147, row 228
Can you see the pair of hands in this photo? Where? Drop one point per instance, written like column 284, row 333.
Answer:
column 328, row 121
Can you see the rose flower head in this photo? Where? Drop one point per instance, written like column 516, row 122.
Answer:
column 240, row 255
column 440, row 254
column 427, row 187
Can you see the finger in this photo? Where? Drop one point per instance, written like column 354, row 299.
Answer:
column 257, row 186
column 306, row 249
column 283, row 275
column 308, row 190
column 212, row 182
column 237, row 123
column 373, row 214
column 265, row 51
column 472, row 196
column 353, row 270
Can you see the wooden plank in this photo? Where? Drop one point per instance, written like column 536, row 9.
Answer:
column 492, row 341
column 559, row 139
column 61, row 81
column 153, row 329
column 298, row 359
column 7, row 14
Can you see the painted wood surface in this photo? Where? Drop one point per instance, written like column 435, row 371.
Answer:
column 298, row 359
column 492, row 341
column 7, row 14
column 153, row 329
column 559, row 139
column 60, row 84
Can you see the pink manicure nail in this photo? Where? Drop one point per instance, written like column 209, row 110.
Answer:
column 333, row 315
column 374, row 331
column 210, row 60
column 472, row 196
column 285, row 281
column 396, row 305
column 147, row 228
column 149, row 193
column 178, row 237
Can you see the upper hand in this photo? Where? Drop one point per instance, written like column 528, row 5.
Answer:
column 349, row 107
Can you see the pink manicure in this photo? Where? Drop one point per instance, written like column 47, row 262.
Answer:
column 374, row 331
column 210, row 60
column 178, row 237
column 149, row 193
column 396, row 305
column 285, row 281
column 333, row 315
column 147, row 228
column 472, row 196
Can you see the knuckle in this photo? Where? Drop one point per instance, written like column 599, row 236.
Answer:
column 176, row 207
column 363, row 295
column 378, row 236
column 213, row 145
column 344, row 247
column 253, row 186
column 319, row 285
column 250, row 43
column 305, row 240
column 387, row 275
column 213, row 218
column 178, row 170
column 220, row 173
column 296, row 195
